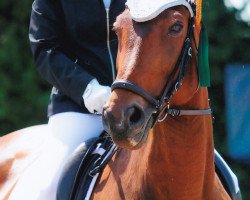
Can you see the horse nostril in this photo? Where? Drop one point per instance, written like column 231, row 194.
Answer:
column 106, row 119
column 134, row 115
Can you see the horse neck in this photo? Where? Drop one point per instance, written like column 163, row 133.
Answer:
column 182, row 156
column 177, row 162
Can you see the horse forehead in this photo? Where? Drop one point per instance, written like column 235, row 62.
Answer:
column 145, row 10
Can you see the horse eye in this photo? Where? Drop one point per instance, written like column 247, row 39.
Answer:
column 176, row 28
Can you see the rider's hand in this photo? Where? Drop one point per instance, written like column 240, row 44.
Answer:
column 95, row 96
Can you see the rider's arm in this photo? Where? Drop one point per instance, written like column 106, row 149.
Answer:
column 46, row 27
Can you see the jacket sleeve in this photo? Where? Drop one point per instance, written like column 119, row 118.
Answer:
column 45, row 30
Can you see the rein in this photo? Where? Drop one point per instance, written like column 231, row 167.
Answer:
column 161, row 104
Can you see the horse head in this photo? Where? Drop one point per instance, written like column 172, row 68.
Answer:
column 156, row 45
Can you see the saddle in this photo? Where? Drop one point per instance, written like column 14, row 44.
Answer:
column 89, row 159
column 83, row 168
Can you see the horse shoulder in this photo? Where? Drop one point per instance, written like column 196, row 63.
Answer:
column 110, row 183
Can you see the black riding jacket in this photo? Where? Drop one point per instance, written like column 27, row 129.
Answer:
column 69, row 43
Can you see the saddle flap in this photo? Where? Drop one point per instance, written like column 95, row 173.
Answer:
column 80, row 174
column 68, row 177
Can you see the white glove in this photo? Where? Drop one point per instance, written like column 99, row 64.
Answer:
column 95, row 96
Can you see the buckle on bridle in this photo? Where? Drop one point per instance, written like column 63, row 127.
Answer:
column 165, row 115
column 190, row 51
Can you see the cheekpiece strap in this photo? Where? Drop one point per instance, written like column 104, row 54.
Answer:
column 193, row 6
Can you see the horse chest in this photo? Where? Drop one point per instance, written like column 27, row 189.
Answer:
column 122, row 179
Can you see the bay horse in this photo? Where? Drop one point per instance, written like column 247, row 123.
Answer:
column 160, row 118
column 167, row 149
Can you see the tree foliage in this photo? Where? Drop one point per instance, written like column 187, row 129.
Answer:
column 24, row 95
column 229, row 40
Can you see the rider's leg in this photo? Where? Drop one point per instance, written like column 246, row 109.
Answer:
column 73, row 128
column 67, row 131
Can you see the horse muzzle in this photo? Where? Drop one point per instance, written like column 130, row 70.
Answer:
column 127, row 125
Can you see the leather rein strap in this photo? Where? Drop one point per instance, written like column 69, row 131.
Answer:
column 171, row 85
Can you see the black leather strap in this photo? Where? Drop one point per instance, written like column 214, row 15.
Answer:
column 132, row 87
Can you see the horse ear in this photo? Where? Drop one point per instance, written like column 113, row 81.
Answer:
column 198, row 17
column 198, row 12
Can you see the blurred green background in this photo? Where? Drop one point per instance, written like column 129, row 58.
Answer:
column 24, row 95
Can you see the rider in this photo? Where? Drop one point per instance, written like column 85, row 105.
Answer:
column 74, row 49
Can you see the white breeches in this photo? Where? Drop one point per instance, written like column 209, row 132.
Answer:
column 67, row 131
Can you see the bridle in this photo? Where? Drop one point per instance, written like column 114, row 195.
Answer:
column 161, row 104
